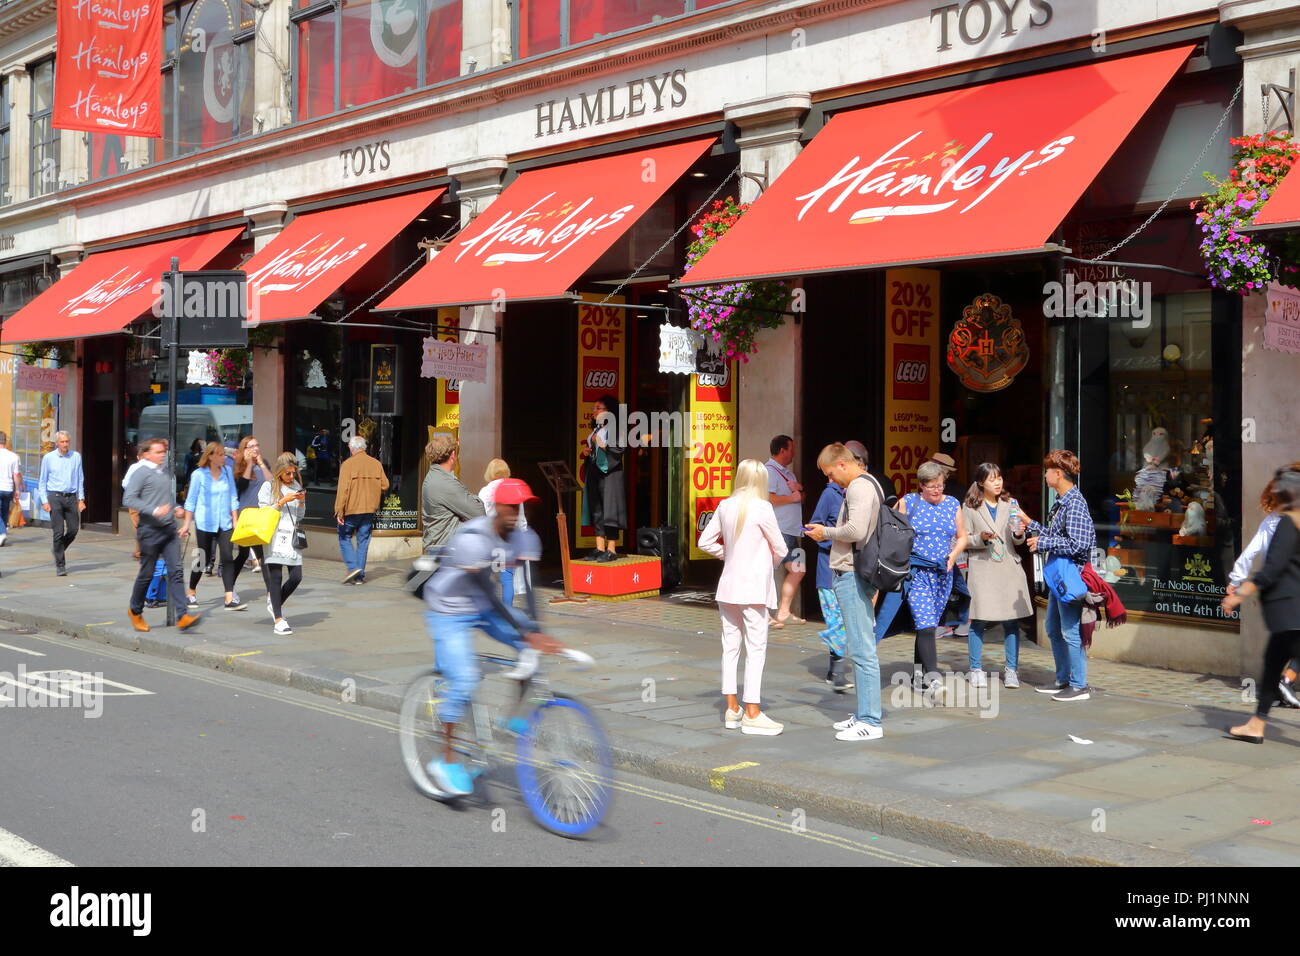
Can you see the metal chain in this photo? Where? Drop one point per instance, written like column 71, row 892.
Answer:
column 655, row 255
column 1177, row 189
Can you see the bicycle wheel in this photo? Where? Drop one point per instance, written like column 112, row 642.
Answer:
column 420, row 733
column 565, row 768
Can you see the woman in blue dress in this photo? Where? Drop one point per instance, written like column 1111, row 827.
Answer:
column 940, row 538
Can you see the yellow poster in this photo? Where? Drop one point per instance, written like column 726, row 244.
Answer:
column 602, row 351
column 711, row 452
column 911, row 380
column 446, row 419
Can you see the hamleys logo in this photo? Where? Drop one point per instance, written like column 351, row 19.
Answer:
column 955, row 175
column 299, row 267
column 105, row 292
column 551, row 233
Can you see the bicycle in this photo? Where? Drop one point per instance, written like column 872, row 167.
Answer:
column 562, row 758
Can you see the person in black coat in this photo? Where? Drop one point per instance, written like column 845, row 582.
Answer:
column 1278, row 583
column 604, row 501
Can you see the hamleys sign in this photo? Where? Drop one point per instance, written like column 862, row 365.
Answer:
column 544, row 231
column 107, row 291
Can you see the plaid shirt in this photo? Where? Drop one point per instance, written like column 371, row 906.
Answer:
column 1069, row 529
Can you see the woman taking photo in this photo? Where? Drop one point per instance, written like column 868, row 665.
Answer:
column 743, row 532
column 251, row 472
column 283, row 492
column 1278, row 584
column 604, row 501
column 939, row 537
column 212, row 507
column 999, row 592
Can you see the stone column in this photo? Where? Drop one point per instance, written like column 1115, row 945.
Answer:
column 272, row 53
column 20, row 132
column 269, row 373
column 1271, row 49
column 479, row 182
column 485, row 35
column 68, row 257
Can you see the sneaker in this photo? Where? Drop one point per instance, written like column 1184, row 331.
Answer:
column 852, row 721
column 192, row 600
column 937, row 691
column 731, row 719
column 61, row 571
column 352, row 576
column 236, row 605
column 842, row 683
column 155, row 603
column 762, row 725
column 861, row 731
column 1073, row 693
column 607, row 557
column 944, row 631
column 1010, row 678
column 1287, row 695
column 187, row 621
column 451, row 778
column 3, row 539
column 1052, row 689
column 137, row 621
column 978, row 678
column 526, row 666
column 235, row 598
column 282, row 627
column 593, row 555
column 962, row 630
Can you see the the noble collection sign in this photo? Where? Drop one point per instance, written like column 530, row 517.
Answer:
column 106, row 70
column 383, row 380
column 609, row 104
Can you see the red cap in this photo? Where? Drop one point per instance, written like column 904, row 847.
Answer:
column 513, row 491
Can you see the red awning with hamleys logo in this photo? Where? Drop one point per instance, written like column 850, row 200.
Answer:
column 546, row 229
column 110, row 290
column 1282, row 209
column 978, row 171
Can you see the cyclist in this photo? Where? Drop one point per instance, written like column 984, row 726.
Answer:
column 461, row 595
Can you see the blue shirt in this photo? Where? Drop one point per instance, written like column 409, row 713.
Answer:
column 1069, row 529
column 61, row 473
column 211, row 500
column 826, row 513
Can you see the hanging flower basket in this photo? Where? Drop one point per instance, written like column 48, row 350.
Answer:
column 64, row 353
column 732, row 313
column 230, row 367
column 1235, row 261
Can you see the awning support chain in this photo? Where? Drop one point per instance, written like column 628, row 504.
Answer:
column 1177, row 189
column 1285, row 96
column 669, row 241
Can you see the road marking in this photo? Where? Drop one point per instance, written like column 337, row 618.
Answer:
column 101, row 624
column 22, row 650
column 15, row 851
column 716, row 779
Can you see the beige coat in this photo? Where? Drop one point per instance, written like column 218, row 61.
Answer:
column 998, row 589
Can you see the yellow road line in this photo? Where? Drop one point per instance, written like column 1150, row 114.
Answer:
column 716, row 779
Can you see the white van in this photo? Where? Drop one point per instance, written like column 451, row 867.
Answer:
column 224, row 423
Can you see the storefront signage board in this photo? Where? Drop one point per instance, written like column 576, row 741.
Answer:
column 33, row 378
column 602, row 360
column 1282, row 319
column 385, row 398
column 911, row 372
column 677, row 348
column 468, row 363
column 711, row 453
column 106, row 69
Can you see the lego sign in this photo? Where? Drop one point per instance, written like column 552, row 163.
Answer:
column 911, row 390
column 602, row 344
column 711, row 451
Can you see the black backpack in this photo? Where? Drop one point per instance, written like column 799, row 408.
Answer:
column 885, row 560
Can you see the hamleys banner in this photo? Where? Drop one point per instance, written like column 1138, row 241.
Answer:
column 546, row 229
column 319, row 251
column 982, row 170
column 107, row 77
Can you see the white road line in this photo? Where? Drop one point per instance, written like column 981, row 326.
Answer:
column 15, row 851
column 22, row 650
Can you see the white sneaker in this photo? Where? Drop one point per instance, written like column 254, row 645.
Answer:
column 192, row 600
column 979, row 679
column 526, row 667
column 731, row 719
column 861, row 731
column 762, row 725
column 937, row 692
column 1010, row 678
column 282, row 627
column 846, row 724
column 3, row 539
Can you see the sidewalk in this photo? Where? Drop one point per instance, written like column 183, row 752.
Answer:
column 1158, row 785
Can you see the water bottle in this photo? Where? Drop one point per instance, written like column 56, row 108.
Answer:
column 1014, row 519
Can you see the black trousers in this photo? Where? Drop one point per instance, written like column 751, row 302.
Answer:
column 241, row 558
column 65, row 521
column 277, row 589
column 1282, row 646
column 924, row 653
column 154, row 542
column 208, row 541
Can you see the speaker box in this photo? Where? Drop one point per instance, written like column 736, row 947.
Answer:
column 662, row 544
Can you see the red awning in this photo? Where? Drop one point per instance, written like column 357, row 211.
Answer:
column 978, row 171
column 1282, row 209
column 109, row 290
column 546, row 229
column 319, row 251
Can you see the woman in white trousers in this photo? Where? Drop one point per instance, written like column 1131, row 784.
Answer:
column 743, row 532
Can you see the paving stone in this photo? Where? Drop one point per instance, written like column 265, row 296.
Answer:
column 967, row 778
column 1156, row 775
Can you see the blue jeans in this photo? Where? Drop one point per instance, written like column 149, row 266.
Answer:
column 6, row 502
column 860, row 628
column 355, row 559
column 1010, row 643
column 453, row 649
column 508, row 586
column 1067, row 646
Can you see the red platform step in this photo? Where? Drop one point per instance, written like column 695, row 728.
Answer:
column 631, row 576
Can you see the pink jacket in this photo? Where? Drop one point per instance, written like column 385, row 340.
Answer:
column 747, row 563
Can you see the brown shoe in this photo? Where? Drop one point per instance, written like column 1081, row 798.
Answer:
column 187, row 621
column 137, row 621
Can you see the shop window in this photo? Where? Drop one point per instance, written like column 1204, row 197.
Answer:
column 44, row 176
column 381, row 47
column 315, row 62
column 316, row 417
column 443, row 41
column 212, row 74
column 6, row 195
column 546, row 25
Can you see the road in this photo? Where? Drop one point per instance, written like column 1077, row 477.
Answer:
column 191, row 767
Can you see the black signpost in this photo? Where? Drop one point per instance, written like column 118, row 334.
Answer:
column 199, row 310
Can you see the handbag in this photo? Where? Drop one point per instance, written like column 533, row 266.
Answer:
column 299, row 538
column 16, row 517
column 256, row 526
column 1063, row 579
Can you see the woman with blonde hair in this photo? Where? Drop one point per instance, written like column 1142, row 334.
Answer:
column 211, row 505
column 496, row 471
column 743, row 532
column 285, row 493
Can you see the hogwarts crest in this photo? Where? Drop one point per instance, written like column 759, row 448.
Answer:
column 987, row 346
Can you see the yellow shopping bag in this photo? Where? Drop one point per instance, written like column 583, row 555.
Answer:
column 255, row 526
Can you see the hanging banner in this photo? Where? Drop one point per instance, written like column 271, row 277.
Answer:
column 106, row 70
column 34, row 378
column 602, row 347
column 911, row 382
column 677, row 348
column 466, row 363
column 711, row 452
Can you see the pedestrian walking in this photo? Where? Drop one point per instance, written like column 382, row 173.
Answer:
column 285, row 493
column 1278, row 584
column 444, row 502
column 604, row 498
column 744, row 533
column 496, row 472
column 1068, row 533
column 786, row 495
column 999, row 592
column 361, row 487
column 251, row 473
column 62, row 491
column 857, row 522
column 149, row 492
column 132, row 512
column 11, row 484
column 212, row 507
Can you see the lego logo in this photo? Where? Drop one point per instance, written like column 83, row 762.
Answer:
column 911, row 372
column 601, row 378
column 703, row 520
